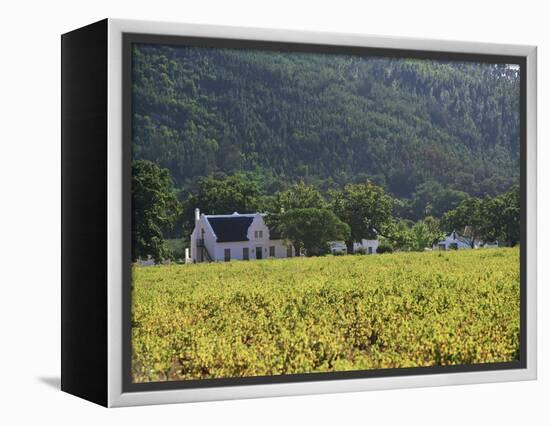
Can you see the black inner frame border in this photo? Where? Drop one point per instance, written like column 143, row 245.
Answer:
column 129, row 39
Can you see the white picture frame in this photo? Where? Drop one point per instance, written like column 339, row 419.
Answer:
column 116, row 395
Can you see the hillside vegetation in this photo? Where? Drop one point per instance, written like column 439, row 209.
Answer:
column 325, row 314
column 410, row 126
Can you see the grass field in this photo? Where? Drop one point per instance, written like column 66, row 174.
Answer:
column 325, row 314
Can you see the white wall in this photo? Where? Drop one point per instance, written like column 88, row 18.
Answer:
column 237, row 249
column 366, row 244
column 449, row 241
column 29, row 175
column 193, row 244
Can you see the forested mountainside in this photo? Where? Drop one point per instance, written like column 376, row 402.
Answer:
column 411, row 126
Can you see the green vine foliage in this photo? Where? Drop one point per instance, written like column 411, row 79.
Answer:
column 301, row 315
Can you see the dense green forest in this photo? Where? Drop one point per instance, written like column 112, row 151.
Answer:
column 430, row 133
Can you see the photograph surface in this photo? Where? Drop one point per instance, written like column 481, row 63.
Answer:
column 299, row 212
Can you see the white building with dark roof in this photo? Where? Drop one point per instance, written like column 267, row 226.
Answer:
column 366, row 246
column 235, row 237
column 453, row 240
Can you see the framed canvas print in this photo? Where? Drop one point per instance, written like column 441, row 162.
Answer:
column 251, row 212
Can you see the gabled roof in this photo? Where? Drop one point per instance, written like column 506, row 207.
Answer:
column 459, row 237
column 230, row 228
column 234, row 227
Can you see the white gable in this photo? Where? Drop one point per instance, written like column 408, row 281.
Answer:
column 258, row 230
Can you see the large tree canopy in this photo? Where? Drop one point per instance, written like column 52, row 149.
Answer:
column 299, row 196
column 155, row 209
column 425, row 233
column 489, row 218
column 502, row 217
column 226, row 195
column 311, row 229
column 467, row 214
column 365, row 207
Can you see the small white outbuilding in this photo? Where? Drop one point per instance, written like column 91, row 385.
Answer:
column 453, row 241
column 338, row 247
column 365, row 246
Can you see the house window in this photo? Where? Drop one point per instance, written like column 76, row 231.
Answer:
column 271, row 251
column 261, row 234
column 370, row 250
column 246, row 253
column 255, row 234
column 227, row 255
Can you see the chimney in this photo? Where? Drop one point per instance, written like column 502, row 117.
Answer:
column 197, row 215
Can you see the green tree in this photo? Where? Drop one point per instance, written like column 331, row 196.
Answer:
column 469, row 213
column 488, row 218
column 425, row 233
column 512, row 215
column 432, row 199
column 225, row 195
column 299, row 196
column 399, row 235
column 155, row 209
column 502, row 217
column 366, row 208
column 311, row 229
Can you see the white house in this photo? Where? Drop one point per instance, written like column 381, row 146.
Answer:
column 235, row 237
column 338, row 247
column 366, row 246
column 454, row 240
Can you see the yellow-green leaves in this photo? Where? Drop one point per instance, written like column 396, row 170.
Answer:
column 303, row 315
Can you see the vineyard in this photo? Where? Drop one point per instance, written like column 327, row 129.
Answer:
column 324, row 314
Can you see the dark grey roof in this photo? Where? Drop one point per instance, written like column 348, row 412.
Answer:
column 231, row 228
